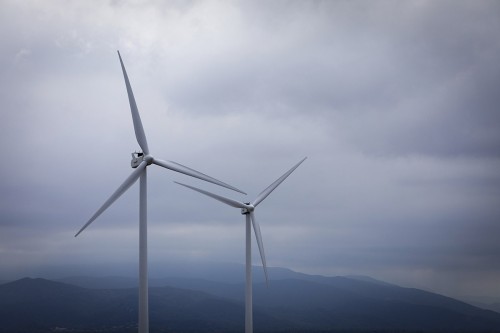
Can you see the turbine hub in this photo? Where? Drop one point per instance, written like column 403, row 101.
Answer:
column 247, row 210
column 149, row 159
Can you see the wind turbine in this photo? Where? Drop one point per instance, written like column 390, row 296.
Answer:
column 140, row 161
column 248, row 209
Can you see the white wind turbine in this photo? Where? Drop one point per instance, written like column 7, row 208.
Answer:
column 247, row 209
column 140, row 161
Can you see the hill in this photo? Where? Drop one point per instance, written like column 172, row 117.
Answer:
column 302, row 304
column 38, row 305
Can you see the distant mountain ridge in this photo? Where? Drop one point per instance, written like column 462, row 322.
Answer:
column 221, row 273
column 39, row 305
column 294, row 302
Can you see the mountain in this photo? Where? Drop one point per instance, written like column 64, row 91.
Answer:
column 321, row 303
column 349, row 304
column 305, row 304
column 39, row 305
column 495, row 306
column 484, row 302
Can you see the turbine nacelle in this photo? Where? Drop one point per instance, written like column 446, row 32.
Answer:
column 137, row 158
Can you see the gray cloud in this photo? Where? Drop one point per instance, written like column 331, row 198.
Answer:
column 394, row 102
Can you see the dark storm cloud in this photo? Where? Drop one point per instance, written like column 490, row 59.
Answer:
column 427, row 73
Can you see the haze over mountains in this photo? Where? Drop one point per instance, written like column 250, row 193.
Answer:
column 189, row 302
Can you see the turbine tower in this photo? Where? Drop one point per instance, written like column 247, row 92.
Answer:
column 248, row 209
column 140, row 161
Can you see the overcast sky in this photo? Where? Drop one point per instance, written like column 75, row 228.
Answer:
column 395, row 103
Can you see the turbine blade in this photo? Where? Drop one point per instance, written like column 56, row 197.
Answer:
column 225, row 200
column 271, row 187
column 193, row 173
column 139, row 130
column 258, row 236
column 123, row 187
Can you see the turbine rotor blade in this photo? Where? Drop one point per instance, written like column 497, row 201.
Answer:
column 193, row 173
column 139, row 130
column 258, row 237
column 227, row 201
column 271, row 187
column 123, row 187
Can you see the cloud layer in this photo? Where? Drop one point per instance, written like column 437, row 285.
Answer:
column 395, row 103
